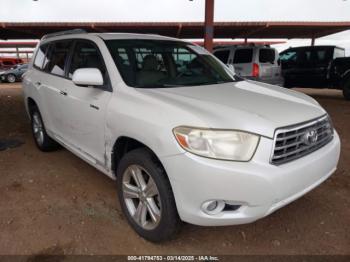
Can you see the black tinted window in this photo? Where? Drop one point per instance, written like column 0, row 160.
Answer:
column 288, row 56
column 243, row 56
column 56, row 57
column 320, row 56
column 222, row 55
column 303, row 57
column 86, row 55
column 40, row 56
column 267, row 55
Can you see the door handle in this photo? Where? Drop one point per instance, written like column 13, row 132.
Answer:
column 63, row 93
column 94, row 107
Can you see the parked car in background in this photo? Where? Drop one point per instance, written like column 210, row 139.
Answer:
column 260, row 63
column 14, row 74
column 316, row 67
column 184, row 138
column 308, row 66
column 9, row 62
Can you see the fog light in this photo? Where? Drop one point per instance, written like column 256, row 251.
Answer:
column 213, row 207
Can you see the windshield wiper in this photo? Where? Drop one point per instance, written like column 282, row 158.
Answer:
column 159, row 86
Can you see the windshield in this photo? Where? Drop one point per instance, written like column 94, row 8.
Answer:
column 157, row 64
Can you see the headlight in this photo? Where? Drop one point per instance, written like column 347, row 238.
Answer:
column 218, row 144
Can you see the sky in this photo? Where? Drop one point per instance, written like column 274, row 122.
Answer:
column 182, row 10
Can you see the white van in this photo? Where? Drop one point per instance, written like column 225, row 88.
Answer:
column 260, row 63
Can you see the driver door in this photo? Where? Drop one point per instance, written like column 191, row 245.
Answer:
column 86, row 107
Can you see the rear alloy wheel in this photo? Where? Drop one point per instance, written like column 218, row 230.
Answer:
column 42, row 140
column 146, row 197
column 11, row 78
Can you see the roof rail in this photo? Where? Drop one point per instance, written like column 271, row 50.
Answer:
column 67, row 32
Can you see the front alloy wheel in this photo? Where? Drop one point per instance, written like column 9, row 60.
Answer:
column 141, row 197
column 146, row 196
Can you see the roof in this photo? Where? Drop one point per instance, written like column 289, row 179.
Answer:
column 110, row 36
column 13, row 44
column 314, row 47
column 19, row 30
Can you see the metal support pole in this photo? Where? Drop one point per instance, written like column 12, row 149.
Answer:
column 313, row 41
column 17, row 52
column 209, row 25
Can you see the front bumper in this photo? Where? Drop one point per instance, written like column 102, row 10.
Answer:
column 257, row 186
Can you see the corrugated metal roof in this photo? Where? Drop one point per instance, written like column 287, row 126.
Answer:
column 262, row 29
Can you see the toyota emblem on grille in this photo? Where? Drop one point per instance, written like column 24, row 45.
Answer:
column 310, row 137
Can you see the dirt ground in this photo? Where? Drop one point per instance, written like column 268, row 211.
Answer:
column 56, row 203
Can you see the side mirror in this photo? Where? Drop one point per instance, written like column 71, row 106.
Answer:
column 87, row 77
column 231, row 68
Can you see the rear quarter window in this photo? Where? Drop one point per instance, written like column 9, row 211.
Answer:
column 243, row 56
column 338, row 53
column 267, row 55
column 40, row 56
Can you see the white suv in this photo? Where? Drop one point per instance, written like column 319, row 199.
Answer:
column 185, row 139
column 259, row 63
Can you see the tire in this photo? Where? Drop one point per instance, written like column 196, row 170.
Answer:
column 11, row 78
column 41, row 138
column 141, row 163
column 346, row 89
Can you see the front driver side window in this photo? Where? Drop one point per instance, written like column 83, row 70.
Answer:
column 86, row 55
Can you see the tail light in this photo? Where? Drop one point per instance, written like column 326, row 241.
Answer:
column 256, row 70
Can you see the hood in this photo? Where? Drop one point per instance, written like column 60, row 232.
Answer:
column 245, row 105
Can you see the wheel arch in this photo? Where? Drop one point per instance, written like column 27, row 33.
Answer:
column 125, row 144
column 346, row 77
column 31, row 105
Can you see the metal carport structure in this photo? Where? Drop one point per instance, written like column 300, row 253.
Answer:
column 263, row 29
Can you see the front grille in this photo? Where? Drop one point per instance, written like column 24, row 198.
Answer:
column 294, row 142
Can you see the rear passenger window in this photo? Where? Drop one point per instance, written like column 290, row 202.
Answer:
column 243, row 56
column 40, row 56
column 320, row 56
column 303, row 57
column 222, row 55
column 56, row 57
column 267, row 55
column 86, row 55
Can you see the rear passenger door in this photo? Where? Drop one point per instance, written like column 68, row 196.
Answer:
column 300, row 73
column 320, row 59
column 51, row 82
column 269, row 67
column 242, row 61
column 85, row 107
